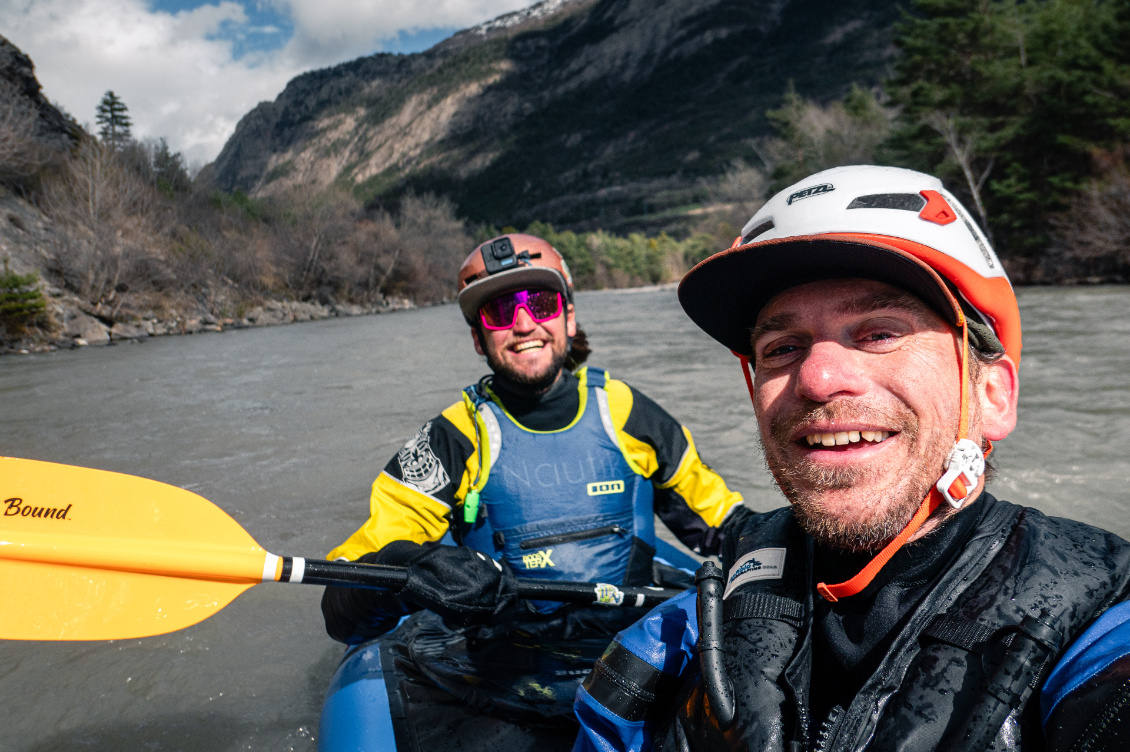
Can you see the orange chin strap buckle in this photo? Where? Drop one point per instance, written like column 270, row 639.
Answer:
column 964, row 466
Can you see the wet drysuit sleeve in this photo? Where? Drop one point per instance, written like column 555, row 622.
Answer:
column 691, row 499
column 1085, row 702
column 633, row 684
column 408, row 507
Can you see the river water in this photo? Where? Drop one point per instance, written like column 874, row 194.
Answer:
column 285, row 428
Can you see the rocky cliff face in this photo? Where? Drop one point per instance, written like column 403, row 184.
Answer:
column 581, row 112
column 53, row 127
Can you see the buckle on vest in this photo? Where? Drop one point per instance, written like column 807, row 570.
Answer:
column 965, row 464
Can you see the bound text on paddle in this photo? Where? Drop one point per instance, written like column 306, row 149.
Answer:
column 15, row 507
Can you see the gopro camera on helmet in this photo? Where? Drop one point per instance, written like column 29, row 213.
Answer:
column 499, row 256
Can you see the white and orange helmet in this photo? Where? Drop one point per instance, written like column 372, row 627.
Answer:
column 885, row 223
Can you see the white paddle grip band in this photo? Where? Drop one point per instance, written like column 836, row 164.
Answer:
column 270, row 565
column 297, row 569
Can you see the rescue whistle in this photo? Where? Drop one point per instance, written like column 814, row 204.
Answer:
column 471, row 506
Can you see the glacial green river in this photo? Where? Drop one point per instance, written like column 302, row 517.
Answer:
column 285, row 428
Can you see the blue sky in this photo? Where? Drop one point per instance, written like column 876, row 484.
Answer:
column 189, row 69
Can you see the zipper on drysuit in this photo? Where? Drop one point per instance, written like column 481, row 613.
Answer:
column 580, row 535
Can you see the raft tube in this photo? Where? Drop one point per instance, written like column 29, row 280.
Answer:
column 358, row 713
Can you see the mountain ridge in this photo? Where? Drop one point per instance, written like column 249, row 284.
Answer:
column 580, row 112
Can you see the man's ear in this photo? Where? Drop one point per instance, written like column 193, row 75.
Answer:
column 998, row 388
column 570, row 322
column 475, row 339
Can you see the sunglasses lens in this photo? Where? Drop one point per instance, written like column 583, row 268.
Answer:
column 543, row 304
column 499, row 313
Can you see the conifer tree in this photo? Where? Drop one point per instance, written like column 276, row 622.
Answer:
column 1008, row 100
column 113, row 117
column 21, row 302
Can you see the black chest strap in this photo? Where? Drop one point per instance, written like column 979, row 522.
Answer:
column 1014, row 658
column 760, row 605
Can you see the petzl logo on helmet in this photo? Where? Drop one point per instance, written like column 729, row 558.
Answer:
column 814, row 190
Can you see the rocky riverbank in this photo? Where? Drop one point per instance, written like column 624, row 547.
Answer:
column 27, row 242
column 71, row 324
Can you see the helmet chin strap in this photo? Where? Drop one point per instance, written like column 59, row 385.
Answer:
column 964, row 465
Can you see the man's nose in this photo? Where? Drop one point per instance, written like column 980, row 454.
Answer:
column 523, row 322
column 829, row 370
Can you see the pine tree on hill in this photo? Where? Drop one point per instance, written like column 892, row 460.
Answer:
column 113, row 117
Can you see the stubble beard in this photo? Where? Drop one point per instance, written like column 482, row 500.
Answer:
column 883, row 517
column 537, row 382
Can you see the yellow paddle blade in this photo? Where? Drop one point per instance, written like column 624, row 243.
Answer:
column 94, row 555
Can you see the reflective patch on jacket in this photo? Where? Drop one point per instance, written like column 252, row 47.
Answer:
column 419, row 466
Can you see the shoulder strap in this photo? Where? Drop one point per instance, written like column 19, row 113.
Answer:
column 476, row 394
column 474, row 397
column 1014, row 657
column 959, row 632
column 596, row 378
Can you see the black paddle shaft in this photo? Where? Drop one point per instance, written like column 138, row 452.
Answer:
column 353, row 574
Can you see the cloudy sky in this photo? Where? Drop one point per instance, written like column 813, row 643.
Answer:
column 189, row 69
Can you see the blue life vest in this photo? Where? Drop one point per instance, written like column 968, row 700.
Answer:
column 560, row 505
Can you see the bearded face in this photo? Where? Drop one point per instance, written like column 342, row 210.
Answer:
column 530, row 353
column 857, row 390
column 811, row 486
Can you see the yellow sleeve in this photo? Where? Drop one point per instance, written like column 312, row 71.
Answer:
column 403, row 507
column 690, row 497
column 701, row 489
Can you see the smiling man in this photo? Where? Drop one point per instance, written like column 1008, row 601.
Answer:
column 544, row 469
column 894, row 604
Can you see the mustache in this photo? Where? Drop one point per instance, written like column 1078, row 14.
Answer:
column 783, row 427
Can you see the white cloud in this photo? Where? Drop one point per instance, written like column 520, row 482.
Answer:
column 178, row 80
column 325, row 29
column 179, row 73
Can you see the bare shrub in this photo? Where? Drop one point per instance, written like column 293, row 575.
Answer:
column 369, row 257
column 21, row 154
column 434, row 243
column 312, row 237
column 735, row 196
column 814, row 137
column 250, row 260
column 109, row 218
column 1095, row 230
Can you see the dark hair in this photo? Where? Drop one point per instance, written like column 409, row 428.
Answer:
column 579, row 350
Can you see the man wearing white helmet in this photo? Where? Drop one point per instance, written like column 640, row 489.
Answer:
column 894, row 604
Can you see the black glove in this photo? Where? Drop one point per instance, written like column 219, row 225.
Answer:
column 355, row 615
column 462, row 585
